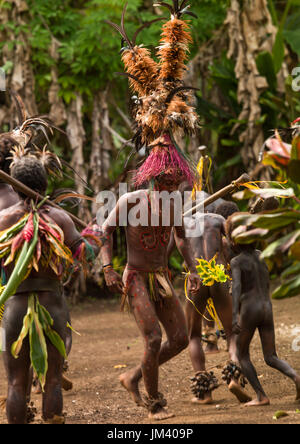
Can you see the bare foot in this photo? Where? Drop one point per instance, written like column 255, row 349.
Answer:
column 132, row 386
column 66, row 384
column 297, row 382
column 257, row 402
column 161, row 415
column 211, row 348
column 36, row 388
column 237, row 391
column 207, row 399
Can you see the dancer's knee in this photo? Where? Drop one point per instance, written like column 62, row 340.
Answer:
column 182, row 342
column 271, row 360
column 153, row 343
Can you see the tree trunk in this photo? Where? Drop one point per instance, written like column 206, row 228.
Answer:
column 17, row 52
column 76, row 135
column 250, row 32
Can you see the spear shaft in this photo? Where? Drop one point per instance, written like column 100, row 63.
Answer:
column 219, row 194
column 18, row 186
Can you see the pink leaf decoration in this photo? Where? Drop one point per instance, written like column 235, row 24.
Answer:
column 280, row 148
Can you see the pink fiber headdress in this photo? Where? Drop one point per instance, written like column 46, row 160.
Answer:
column 164, row 159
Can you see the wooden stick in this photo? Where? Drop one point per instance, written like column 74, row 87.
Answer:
column 219, row 194
column 18, row 186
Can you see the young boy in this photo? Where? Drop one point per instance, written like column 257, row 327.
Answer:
column 252, row 309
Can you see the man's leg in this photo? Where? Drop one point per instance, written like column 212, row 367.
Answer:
column 223, row 304
column 194, row 310
column 147, row 321
column 52, row 395
column 209, row 334
column 267, row 337
column 243, row 342
column 17, row 370
column 194, row 314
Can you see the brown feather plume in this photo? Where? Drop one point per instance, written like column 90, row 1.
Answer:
column 173, row 50
column 139, row 63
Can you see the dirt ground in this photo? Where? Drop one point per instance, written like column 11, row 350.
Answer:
column 110, row 339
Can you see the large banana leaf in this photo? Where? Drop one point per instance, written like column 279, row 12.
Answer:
column 272, row 220
column 281, row 245
column 288, row 289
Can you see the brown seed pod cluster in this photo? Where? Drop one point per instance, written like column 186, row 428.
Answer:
column 233, row 371
column 154, row 404
column 202, row 383
column 31, row 412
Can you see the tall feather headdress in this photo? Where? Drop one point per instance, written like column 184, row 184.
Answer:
column 163, row 103
column 27, row 137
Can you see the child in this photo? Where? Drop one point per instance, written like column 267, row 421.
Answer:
column 252, row 309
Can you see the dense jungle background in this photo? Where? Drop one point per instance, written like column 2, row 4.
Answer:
column 61, row 57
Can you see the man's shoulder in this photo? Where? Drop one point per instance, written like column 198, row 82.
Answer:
column 9, row 216
column 236, row 260
column 133, row 195
column 13, row 210
column 58, row 215
column 213, row 219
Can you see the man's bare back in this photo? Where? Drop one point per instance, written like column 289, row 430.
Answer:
column 209, row 243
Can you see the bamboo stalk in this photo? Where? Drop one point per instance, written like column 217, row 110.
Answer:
column 18, row 186
column 219, row 194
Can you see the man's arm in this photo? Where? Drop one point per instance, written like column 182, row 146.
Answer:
column 112, row 278
column 72, row 238
column 236, row 294
column 185, row 248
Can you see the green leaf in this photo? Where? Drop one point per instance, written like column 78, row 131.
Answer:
column 293, row 39
column 17, row 345
column 56, row 340
column 46, row 322
column 278, row 51
column 292, row 270
column 288, row 289
column 38, row 350
column 249, row 236
column 266, row 68
column 281, row 245
column 273, row 220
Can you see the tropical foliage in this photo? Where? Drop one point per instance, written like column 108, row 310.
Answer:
column 61, row 57
column 280, row 227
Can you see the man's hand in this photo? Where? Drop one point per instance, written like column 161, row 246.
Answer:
column 236, row 329
column 195, row 282
column 113, row 280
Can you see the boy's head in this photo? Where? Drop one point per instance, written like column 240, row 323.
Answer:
column 30, row 171
column 226, row 209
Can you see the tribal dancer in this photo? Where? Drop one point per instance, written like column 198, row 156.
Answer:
column 37, row 242
column 206, row 246
column 26, row 137
column 162, row 109
column 252, row 310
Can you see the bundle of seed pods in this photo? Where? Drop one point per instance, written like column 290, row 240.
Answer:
column 203, row 382
column 233, row 371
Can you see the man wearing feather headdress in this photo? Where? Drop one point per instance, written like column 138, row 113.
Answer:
column 38, row 244
column 163, row 110
column 24, row 138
